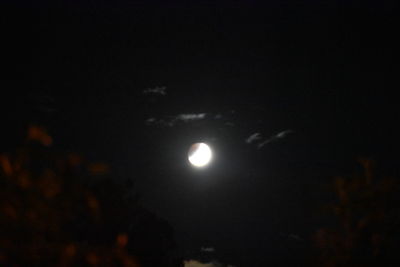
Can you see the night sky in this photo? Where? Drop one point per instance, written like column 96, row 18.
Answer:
column 134, row 85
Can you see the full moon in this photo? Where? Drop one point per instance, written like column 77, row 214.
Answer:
column 199, row 154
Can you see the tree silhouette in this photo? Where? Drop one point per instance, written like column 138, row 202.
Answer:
column 364, row 222
column 59, row 210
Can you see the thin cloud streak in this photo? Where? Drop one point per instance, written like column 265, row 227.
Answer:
column 156, row 90
column 274, row 138
column 253, row 137
column 207, row 249
column 257, row 137
column 191, row 117
column 173, row 120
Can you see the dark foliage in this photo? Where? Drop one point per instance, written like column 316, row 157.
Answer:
column 365, row 219
column 59, row 210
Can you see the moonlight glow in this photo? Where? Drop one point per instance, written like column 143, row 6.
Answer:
column 199, row 154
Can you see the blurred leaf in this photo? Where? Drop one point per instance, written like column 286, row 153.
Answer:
column 6, row 165
column 39, row 134
column 98, row 168
column 122, row 240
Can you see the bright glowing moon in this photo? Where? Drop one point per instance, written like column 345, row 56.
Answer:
column 199, row 154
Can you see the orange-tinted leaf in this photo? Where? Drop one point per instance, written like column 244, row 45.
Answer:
column 23, row 180
column 98, row 168
column 122, row 240
column 49, row 184
column 40, row 135
column 70, row 250
column 9, row 211
column 74, row 159
column 6, row 165
column 92, row 258
column 92, row 203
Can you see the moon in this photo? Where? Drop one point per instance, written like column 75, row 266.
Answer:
column 200, row 154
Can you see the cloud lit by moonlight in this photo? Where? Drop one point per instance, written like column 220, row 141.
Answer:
column 200, row 154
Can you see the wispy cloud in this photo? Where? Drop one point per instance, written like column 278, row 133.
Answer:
column 151, row 120
column 190, row 117
column 274, row 138
column 284, row 133
column 257, row 137
column 159, row 122
column 173, row 120
column 253, row 137
column 159, row 90
column 207, row 249
column 294, row 237
column 225, row 119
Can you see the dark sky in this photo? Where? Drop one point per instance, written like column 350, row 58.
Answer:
column 324, row 71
